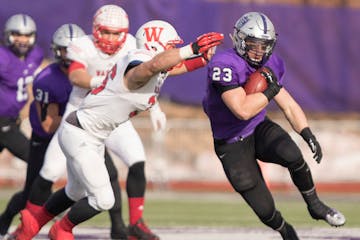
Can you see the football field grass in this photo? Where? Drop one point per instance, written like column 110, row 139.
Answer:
column 184, row 209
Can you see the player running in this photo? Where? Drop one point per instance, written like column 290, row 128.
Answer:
column 243, row 133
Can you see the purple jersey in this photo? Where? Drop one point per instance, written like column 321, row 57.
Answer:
column 15, row 75
column 227, row 69
column 50, row 86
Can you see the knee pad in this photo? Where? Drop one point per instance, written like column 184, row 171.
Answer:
column 242, row 180
column 74, row 193
column 54, row 171
column 102, row 200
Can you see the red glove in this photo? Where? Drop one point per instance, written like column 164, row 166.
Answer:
column 206, row 41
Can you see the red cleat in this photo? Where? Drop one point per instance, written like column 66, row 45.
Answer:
column 57, row 233
column 28, row 228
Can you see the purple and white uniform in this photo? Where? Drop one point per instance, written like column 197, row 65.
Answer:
column 15, row 75
column 227, row 69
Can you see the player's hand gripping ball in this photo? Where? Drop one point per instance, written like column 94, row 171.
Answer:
column 256, row 82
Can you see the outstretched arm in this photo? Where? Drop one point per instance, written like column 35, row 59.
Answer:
column 141, row 74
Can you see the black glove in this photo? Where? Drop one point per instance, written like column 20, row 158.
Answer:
column 313, row 143
column 272, row 81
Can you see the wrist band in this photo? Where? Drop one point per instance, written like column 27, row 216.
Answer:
column 194, row 63
column 186, row 51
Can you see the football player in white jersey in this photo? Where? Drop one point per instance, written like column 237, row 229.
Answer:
column 132, row 86
column 92, row 56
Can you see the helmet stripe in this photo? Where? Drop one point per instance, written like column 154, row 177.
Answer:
column 264, row 22
column 24, row 19
column 71, row 30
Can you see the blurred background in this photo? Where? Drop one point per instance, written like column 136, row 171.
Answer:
column 320, row 42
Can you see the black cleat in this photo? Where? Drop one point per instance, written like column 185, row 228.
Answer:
column 119, row 235
column 4, row 225
column 289, row 233
column 320, row 211
column 139, row 231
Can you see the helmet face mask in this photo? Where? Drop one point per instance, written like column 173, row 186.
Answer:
column 61, row 39
column 110, row 28
column 254, row 38
column 157, row 36
column 20, row 34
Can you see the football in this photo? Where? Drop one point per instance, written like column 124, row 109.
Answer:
column 256, row 82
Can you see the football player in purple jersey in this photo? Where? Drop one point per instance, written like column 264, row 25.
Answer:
column 243, row 133
column 51, row 89
column 20, row 58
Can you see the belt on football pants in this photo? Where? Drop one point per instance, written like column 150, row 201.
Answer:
column 229, row 141
column 73, row 120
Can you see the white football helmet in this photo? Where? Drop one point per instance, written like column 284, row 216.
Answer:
column 20, row 24
column 61, row 40
column 111, row 18
column 157, row 36
column 254, row 27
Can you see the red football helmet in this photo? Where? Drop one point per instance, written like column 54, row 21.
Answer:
column 110, row 18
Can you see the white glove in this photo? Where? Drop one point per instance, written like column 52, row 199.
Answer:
column 158, row 117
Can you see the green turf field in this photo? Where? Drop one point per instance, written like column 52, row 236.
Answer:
column 168, row 209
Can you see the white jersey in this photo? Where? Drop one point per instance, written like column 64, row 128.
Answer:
column 97, row 63
column 83, row 50
column 112, row 103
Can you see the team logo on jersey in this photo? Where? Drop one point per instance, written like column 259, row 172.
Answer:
column 153, row 34
column 101, row 72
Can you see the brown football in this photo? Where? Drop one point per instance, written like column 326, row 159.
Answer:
column 256, row 82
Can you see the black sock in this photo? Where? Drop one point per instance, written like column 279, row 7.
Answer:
column 81, row 211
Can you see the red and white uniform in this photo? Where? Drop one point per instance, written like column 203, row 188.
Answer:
column 124, row 142
column 102, row 112
column 112, row 104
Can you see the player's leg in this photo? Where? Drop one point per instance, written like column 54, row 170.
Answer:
column 37, row 154
column 276, row 146
column 31, row 223
column 38, row 146
column 87, row 174
column 13, row 139
column 118, row 228
column 243, row 172
column 125, row 143
column 86, row 165
column 53, row 168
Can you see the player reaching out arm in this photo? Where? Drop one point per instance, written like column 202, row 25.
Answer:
column 96, row 54
column 129, row 88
